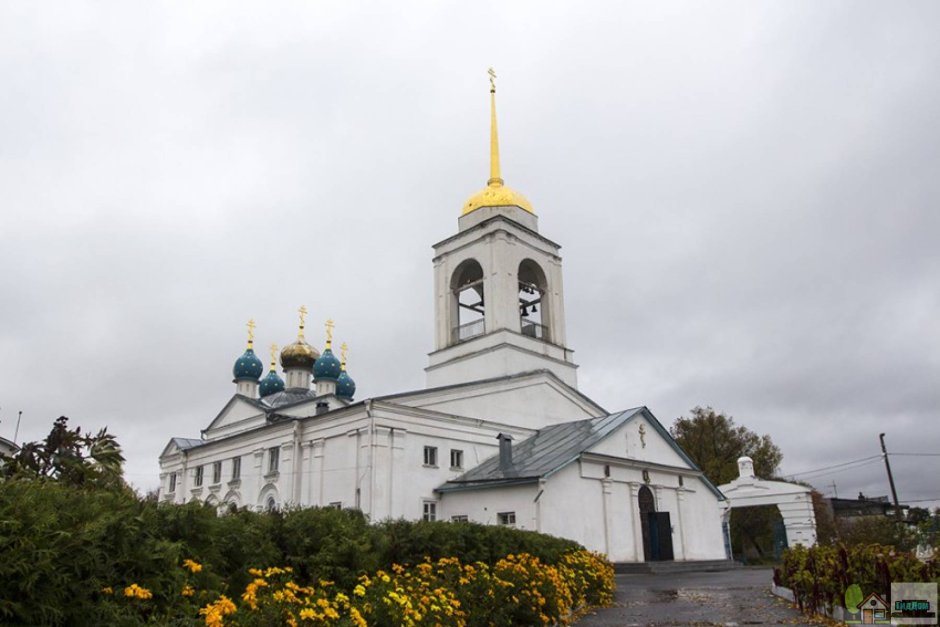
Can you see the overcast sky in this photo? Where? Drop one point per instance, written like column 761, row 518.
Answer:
column 746, row 194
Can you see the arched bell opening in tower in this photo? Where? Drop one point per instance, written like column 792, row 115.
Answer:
column 468, row 303
column 534, row 311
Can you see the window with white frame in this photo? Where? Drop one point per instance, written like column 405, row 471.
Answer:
column 172, row 482
column 460, row 518
column 507, row 519
column 274, row 455
column 430, row 456
column 236, row 468
column 430, row 511
column 197, row 481
column 217, row 472
column 456, row 458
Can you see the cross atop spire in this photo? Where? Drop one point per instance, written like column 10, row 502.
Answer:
column 343, row 353
column 495, row 177
column 273, row 356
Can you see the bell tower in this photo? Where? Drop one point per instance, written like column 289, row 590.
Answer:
column 499, row 302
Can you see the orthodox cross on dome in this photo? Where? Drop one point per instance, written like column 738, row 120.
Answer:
column 273, row 356
column 329, row 333
column 251, row 332
column 343, row 353
column 492, row 74
column 303, row 317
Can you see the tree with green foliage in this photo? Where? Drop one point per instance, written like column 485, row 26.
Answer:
column 715, row 442
column 69, row 457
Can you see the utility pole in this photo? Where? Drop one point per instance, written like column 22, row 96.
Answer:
column 894, row 493
column 835, row 491
column 17, row 432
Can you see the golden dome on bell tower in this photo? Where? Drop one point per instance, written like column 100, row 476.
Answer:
column 496, row 193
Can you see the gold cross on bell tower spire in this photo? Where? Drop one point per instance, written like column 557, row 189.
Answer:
column 251, row 332
column 496, row 178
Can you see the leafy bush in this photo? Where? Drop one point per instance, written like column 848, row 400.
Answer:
column 63, row 547
column 819, row 576
column 517, row 590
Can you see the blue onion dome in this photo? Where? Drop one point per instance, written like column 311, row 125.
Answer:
column 327, row 366
column 345, row 386
column 271, row 384
column 248, row 367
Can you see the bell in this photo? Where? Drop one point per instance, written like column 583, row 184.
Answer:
column 534, row 309
column 525, row 312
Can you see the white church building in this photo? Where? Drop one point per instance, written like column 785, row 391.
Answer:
column 501, row 434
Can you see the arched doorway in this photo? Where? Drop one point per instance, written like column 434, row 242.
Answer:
column 656, row 528
column 647, row 506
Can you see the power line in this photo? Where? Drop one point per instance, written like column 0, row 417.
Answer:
column 917, row 454
column 815, row 470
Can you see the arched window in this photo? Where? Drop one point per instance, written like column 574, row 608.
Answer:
column 534, row 311
column 270, row 505
column 466, row 285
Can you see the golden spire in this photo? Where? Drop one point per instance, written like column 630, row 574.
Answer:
column 251, row 333
column 303, row 316
column 495, row 178
column 329, row 333
column 273, row 357
column 343, row 353
column 495, row 194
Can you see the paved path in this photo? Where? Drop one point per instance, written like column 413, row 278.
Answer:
column 732, row 597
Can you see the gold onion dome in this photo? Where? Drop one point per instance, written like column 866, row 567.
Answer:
column 495, row 194
column 299, row 354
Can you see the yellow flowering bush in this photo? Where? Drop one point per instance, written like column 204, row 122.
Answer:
column 519, row 589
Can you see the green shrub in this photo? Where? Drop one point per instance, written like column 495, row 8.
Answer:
column 819, row 576
column 62, row 545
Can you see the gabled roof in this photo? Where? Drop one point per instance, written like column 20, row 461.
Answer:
column 180, row 444
column 509, row 377
column 548, row 451
column 290, row 396
column 554, row 447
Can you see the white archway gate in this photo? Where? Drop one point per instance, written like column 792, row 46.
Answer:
column 794, row 502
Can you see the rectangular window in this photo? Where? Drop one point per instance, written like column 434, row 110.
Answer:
column 274, row 454
column 198, row 481
column 236, row 468
column 459, row 518
column 507, row 519
column 430, row 511
column 336, row 505
column 217, row 472
column 456, row 458
column 172, row 482
column 430, row 456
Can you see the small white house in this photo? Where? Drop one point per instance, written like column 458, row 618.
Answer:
column 501, row 434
